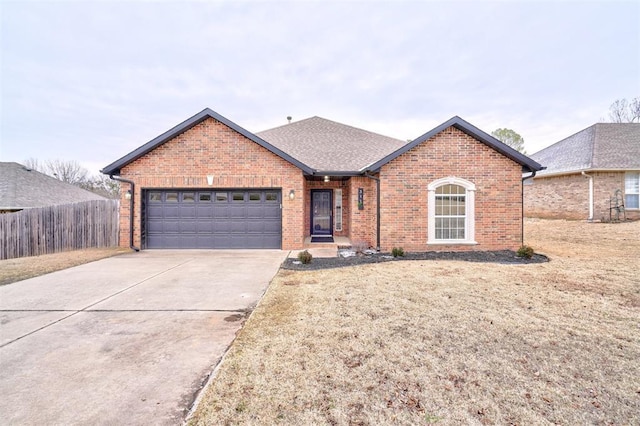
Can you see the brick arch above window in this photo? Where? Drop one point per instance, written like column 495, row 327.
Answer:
column 444, row 225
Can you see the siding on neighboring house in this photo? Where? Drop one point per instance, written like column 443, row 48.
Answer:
column 211, row 148
column 498, row 202
column 567, row 196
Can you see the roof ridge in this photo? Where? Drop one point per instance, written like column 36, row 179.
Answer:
column 334, row 122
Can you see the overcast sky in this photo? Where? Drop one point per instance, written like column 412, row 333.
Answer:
column 91, row 81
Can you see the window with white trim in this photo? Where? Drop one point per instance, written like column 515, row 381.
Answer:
column 632, row 190
column 337, row 196
column 451, row 205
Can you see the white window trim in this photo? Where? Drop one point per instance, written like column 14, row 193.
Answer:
column 337, row 196
column 636, row 175
column 469, row 225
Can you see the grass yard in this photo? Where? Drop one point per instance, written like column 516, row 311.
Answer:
column 22, row 268
column 447, row 342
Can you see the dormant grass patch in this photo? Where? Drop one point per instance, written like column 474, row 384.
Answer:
column 422, row 342
column 12, row 270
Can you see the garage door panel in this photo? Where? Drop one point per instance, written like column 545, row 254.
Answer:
column 188, row 227
column 171, row 226
column 155, row 226
column 272, row 213
column 220, row 211
column 204, row 226
column 237, row 226
column 187, row 212
column 204, row 211
column 272, row 228
column 170, row 211
column 255, row 212
column 255, row 227
column 213, row 219
column 237, row 211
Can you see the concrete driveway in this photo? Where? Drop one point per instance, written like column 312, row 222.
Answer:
column 125, row 340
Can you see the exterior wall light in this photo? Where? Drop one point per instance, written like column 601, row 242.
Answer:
column 292, row 195
column 210, row 180
column 127, row 195
column 326, row 178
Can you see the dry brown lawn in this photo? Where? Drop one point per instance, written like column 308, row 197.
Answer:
column 447, row 342
column 12, row 270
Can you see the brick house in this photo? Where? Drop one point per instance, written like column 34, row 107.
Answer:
column 209, row 183
column 583, row 173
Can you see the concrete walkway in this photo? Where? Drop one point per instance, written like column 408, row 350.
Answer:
column 125, row 340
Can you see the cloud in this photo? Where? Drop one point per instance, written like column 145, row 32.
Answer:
column 92, row 81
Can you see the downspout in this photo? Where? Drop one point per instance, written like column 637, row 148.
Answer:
column 377, row 208
column 133, row 187
column 590, row 195
column 531, row 176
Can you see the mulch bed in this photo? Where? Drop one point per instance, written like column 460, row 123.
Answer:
column 502, row 256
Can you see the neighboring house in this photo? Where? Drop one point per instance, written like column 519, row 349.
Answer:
column 208, row 183
column 22, row 188
column 583, row 173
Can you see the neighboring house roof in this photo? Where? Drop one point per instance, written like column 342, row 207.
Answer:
column 114, row 168
column 22, row 188
column 603, row 146
column 319, row 146
column 329, row 146
column 458, row 123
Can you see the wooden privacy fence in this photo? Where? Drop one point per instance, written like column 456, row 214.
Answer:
column 53, row 229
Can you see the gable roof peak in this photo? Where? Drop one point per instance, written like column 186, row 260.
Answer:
column 114, row 168
column 471, row 130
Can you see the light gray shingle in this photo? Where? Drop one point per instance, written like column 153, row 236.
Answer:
column 326, row 145
column 22, row 188
column 603, row 146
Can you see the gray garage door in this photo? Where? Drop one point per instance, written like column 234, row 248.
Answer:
column 213, row 218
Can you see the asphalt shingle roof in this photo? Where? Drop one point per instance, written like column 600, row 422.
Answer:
column 318, row 146
column 603, row 146
column 22, row 188
column 325, row 145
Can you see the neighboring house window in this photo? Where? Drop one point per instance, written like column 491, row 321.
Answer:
column 451, row 211
column 632, row 190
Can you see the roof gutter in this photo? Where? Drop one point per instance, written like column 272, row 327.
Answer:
column 370, row 176
column 133, row 187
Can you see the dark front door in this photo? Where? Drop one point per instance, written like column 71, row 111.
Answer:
column 321, row 208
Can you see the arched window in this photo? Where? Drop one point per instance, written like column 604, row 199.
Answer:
column 451, row 211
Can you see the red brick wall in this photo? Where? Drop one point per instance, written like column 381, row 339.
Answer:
column 498, row 209
column 567, row 196
column 211, row 148
column 362, row 223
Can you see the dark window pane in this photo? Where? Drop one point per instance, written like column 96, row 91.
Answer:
column 271, row 196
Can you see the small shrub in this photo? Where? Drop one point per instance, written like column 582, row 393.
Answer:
column 305, row 257
column 525, row 252
column 359, row 246
column 397, row 252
